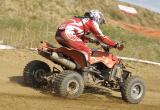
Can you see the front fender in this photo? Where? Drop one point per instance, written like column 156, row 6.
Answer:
column 107, row 59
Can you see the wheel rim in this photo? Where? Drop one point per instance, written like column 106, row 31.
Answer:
column 72, row 86
column 137, row 91
column 39, row 75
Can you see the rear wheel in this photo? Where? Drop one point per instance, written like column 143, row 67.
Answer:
column 133, row 89
column 69, row 84
column 34, row 73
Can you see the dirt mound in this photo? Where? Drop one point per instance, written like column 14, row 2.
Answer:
column 14, row 95
column 146, row 31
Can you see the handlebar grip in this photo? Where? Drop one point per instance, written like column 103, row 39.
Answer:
column 105, row 47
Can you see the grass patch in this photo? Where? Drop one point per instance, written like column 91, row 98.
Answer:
column 136, row 46
column 24, row 24
column 23, row 33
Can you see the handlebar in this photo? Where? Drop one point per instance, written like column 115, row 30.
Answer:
column 105, row 47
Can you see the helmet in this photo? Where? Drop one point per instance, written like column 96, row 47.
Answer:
column 95, row 15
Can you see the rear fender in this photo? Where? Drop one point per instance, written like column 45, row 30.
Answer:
column 76, row 56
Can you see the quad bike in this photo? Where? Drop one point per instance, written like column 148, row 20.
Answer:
column 105, row 70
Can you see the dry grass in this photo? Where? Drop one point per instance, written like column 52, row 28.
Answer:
column 136, row 46
column 23, row 23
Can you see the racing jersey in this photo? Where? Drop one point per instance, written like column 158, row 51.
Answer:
column 83, row 26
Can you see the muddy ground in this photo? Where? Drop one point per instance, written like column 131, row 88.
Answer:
column 14, row 95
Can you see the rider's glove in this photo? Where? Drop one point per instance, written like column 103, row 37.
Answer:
column 119, row 46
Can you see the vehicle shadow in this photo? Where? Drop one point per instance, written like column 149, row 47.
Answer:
column 103, row 92
column 48, row 90
column 17, row 79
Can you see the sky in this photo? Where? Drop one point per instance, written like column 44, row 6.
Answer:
column 150, row 4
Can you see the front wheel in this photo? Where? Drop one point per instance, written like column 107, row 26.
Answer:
column 133, row 89
column 69, row 84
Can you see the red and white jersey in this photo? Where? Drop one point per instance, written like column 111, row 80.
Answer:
column 79, row 27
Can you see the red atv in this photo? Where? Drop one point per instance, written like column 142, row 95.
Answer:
column 105, row 70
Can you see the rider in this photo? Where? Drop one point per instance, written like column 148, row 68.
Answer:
column 72, row 32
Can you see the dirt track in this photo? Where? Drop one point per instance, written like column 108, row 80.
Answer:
column 146, row 31
column 15, row 96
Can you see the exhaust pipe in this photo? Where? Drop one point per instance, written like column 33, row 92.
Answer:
column 67, row 63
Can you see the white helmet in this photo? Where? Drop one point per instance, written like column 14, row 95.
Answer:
column 95, row 15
